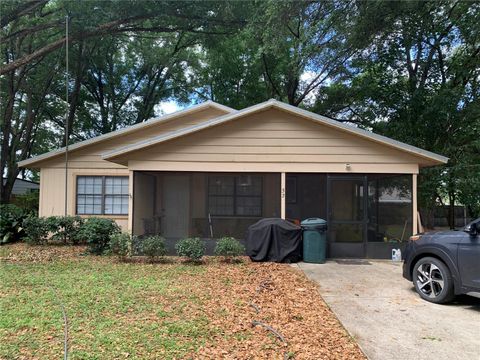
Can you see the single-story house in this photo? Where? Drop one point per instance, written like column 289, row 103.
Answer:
column 210, row 171
column 23, row 187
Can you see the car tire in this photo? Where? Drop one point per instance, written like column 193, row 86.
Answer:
column 433, row 280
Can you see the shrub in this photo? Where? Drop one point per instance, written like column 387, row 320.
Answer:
column 11, row 218
column 229, row 248
column 65, row 228
column 96, row 232
column 36, row 230
column 121, row 244
column 192, row 248
column 154, row 247
column 28, row 202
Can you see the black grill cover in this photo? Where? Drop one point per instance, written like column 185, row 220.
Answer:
column 274, row 240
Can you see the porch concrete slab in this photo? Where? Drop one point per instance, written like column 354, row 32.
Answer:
column 389, row 320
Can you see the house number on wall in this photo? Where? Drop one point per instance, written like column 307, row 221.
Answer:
column 283, row 192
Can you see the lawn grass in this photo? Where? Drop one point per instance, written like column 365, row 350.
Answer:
column 169, row 310
column 113, row 308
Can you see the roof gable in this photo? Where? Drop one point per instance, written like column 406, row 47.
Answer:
column 426, row 157
column 131, row 130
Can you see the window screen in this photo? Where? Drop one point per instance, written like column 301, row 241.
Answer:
column 97, row 195
column 235, row 195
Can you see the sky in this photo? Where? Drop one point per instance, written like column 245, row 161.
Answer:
column 167, row 107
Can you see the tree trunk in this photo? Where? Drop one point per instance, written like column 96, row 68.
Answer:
column 6, row 189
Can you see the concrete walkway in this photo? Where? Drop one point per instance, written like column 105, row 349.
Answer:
column 389, row 320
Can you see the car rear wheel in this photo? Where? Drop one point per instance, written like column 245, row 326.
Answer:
column 433, row 281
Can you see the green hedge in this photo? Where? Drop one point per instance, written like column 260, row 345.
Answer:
column 229, row 248
column 96, row 232
column 120, row 244
column 192, row 248
column 11, row 219
column 154, row 247
column 36, row 229
column 65, row 228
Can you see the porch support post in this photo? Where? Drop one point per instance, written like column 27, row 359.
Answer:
column 414, row 204
column 282, row 194
column 130, row 201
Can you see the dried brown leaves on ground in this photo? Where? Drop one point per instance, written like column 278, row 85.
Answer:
column 234, row 311
column 275, row 295
column 38, row 253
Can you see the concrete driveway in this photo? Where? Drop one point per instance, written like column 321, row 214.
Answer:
column 389, row 320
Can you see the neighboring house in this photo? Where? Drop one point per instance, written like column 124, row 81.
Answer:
column 209, row 171
column 22, row 187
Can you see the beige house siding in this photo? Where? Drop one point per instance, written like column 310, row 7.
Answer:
column 272, row 141
column 52, row 191
column 91, row 156
column 88, row 161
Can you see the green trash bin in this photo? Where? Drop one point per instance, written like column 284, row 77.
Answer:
column 314, row 240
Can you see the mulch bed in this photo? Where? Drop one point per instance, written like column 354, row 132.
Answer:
column 301, row 326
column 255, row 310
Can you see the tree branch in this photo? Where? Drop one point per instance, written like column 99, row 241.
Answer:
column 21, row 10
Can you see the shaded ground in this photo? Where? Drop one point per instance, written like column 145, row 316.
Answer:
column 389, row 320
column 167, row 310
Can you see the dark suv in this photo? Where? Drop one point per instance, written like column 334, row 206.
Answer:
column 444, row 264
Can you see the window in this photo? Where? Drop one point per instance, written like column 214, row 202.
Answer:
column 98, row 195
column 235, row 195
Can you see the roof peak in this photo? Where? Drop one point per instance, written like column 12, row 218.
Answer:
column 150, row 122
column 285, row 107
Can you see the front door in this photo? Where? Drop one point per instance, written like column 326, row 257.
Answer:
column 176, row 206
column 347, row 216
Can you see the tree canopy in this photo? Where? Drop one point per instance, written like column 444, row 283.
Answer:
column 408, row 70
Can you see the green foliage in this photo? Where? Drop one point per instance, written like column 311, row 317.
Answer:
column 154, row 247
column 28, row 202
column 229, row 248
column 418, row 82
column 408, row 70
column 192, row 248
column 121, row 244
column 96, row 232
column 36, row 230
column 11, row 218
column 65, row 228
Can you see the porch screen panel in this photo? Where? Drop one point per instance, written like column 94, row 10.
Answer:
column 389, row 208
column 235, row 195
column 248, row 195
column 226, row 204
column 221, row 193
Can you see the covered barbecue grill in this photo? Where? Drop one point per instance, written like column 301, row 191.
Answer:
column 274, row 239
